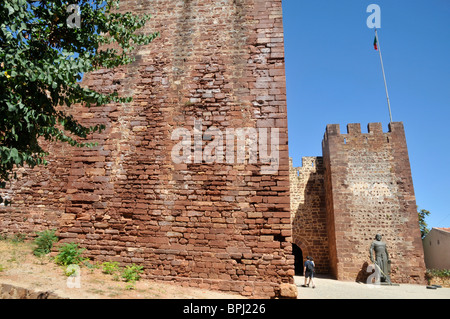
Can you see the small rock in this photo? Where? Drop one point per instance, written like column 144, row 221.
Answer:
column 288, row 291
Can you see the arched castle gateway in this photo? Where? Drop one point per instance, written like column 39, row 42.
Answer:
column 211, row 218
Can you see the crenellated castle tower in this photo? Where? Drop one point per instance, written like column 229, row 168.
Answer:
column 367, row 189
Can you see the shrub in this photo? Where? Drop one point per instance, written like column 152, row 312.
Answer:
column 131, row 273
column 44, row 242
column 18, row 238
column 110, row 267
column 69, row 254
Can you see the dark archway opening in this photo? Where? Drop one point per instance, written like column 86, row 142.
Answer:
column 298, row 260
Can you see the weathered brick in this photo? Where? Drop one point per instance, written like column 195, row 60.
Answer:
column 127, row 191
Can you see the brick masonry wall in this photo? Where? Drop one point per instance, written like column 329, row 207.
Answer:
column 369, row 190
column 308, row 211
column 219, row 226
column 38, row 194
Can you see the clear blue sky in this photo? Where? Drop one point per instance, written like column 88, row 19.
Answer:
column 334, row 77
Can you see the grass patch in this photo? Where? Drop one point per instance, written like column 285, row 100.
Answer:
column 439, row 273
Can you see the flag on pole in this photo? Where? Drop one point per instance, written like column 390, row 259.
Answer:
column 378, row 48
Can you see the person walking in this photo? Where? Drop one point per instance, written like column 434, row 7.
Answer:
column 308, row 270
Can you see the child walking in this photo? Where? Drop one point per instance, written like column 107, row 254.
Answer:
column 308, row 270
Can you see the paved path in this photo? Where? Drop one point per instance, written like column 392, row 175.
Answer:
column 332, row 289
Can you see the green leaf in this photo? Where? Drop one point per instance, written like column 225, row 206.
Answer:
column 10, row 9
column 11, row 106
column 14, row 155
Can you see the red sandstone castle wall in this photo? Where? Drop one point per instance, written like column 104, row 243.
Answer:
column 38, row 194
column 369, row 190
column 308, row 212
column 220, row 225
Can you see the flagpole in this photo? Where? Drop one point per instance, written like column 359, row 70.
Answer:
column 384, row 76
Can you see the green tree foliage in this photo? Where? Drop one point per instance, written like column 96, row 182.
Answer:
column 42, row 59
column 422, row 224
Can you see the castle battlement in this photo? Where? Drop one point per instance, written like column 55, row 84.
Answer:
column 372, row 128
column 309, row 163
column 354, row 133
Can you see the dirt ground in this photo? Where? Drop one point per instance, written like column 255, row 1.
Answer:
column 19, row 267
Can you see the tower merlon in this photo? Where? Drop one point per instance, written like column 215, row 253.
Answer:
column 396, row 127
